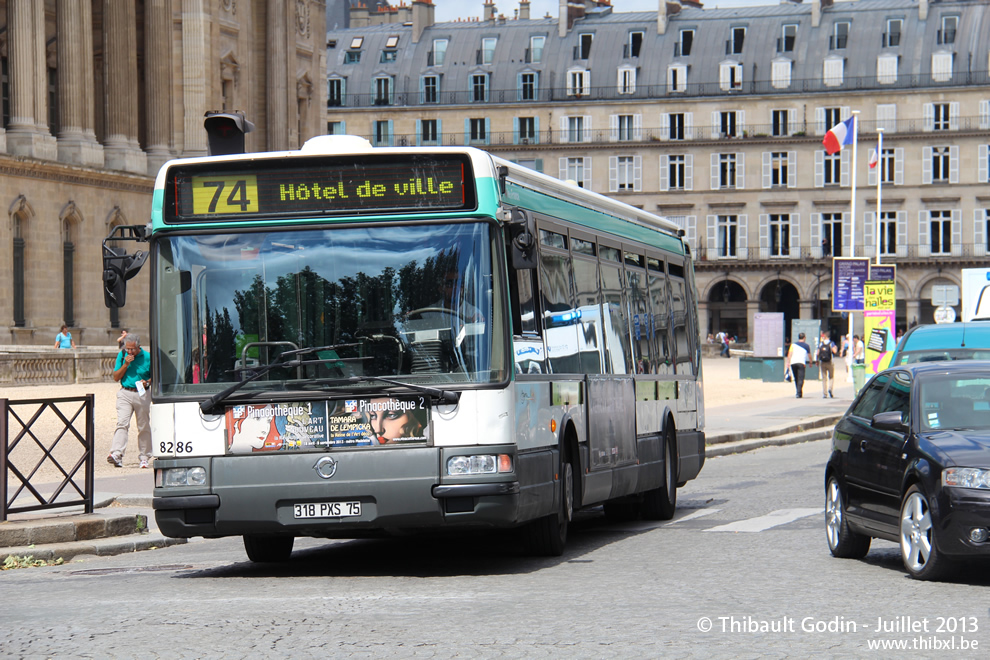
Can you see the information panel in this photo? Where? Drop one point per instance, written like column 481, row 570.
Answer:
column 849, row 274
column 239, row 190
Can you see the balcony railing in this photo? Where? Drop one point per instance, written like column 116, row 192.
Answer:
column 810, row 255
column 646, row 92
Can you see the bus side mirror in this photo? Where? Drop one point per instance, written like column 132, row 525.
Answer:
column 522, row 246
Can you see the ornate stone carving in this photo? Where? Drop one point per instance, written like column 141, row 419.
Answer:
column 229, row 6
column 302, row 17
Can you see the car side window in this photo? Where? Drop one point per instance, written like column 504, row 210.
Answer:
column 868, row 400
column 897, row 397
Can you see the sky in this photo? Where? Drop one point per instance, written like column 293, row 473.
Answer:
column 451, row 10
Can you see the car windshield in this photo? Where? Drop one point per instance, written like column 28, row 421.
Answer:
column 413, row 303
column 950, row 402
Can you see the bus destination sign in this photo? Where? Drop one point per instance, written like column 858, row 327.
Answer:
column 320, row 186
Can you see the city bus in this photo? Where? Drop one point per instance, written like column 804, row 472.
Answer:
column 352, row 341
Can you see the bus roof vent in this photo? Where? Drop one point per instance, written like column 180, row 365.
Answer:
column 335, row 144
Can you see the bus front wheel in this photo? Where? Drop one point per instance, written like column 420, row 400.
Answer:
column 268, row 549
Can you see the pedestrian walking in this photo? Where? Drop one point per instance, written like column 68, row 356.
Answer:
column 133, row 372
column 796, row 360
column 826, row 365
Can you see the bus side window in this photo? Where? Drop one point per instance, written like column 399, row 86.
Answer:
column 559, row 316
column 524, row 303
column 683, row 346
column 660, row 338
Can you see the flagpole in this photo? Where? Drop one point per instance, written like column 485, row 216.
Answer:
column 852, row 211
column 879, row 184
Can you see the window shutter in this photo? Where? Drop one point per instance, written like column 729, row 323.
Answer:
column 515, row 130
column 716, row 124
column 795, row 236
column 792, row 169
column 954, row 116
column 688, row 125
column 536, row 129
column 846, row 237
column 764, row 235
column 869, row 236
column 664, row 173
column 743, row 244
column 419, row 133
column 715, row 171
column 767, row 169
column 519, row 87
column 957, row 232
column 488, row 130
column 689, row 172
column 740, row 171
column 585, row 82
column 979, row 232
column 613, row 174
column 816, row 235
column 954, row 164
column 613, row 128
column 820, row 128
column 587, row 172
column 899, row 166
column 391, row 133
column 924, row 234
column 819, row 168
column 741, row 122
column 985, row 114
column 902, row 234
column 871, row 177
column 586, row 129
column 712, row 242
column 467, row 130
column 844, row 158
column 983, row 166
column 637, row 127
column 926, row 165
column 665, row 126
column 562, row 170
column 928, row 123
column 538, row 165
column 791, row 120
column 691, row 231
column 638, row 173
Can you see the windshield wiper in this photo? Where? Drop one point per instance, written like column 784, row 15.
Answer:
column 280, row 361
column 443, row 396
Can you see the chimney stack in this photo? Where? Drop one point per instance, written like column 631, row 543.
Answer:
column 423, row 16
column 923, row 10
column 524, row 10
column 489, row 14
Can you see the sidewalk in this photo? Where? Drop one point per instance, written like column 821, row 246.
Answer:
column 740, row 415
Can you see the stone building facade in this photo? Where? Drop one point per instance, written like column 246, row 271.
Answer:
column 97, row 95
column 714, row 118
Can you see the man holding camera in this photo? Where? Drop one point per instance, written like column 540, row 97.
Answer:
column 133, row 372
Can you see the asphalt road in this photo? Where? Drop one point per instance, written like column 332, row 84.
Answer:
column 742, row 571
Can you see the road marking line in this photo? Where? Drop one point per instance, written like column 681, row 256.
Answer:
column 773, row 519
column 691, row 516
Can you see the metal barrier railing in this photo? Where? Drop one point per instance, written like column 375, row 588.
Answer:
column 66, row 449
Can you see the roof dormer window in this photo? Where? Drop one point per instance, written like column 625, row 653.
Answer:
column 892, row 37
column 840, row 36
column 392, row 42
column 356, row 43
column 734, row 45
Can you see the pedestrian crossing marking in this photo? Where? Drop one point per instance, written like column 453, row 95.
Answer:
column 772, row 519
column 691, row 516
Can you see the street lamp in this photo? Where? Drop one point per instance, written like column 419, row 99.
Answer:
column 726, row 293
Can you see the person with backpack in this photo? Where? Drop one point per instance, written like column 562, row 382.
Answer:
column 826, row 366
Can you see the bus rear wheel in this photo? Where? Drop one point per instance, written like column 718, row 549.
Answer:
column 660, row 503
column 547, row 536
column 268, row 549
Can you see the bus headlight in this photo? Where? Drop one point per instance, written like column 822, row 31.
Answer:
column 194, row 476
column 479, row 464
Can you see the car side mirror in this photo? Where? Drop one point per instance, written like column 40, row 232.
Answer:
column 889, row 421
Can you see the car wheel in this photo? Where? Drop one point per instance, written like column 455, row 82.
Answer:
column 918, row 548
column 660, row 503
column 547, row 536
column 842, row 541
column 268, row 549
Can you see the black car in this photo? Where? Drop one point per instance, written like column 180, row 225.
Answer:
column 910, row 463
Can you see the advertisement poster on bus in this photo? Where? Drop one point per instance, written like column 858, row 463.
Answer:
column 880, row 305
column 975, row 294
column 254, row 428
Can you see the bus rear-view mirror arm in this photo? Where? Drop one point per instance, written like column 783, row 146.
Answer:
column 522, row 230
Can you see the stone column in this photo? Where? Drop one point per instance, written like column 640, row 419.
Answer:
column 807, row 309
column 914, row 312
column 158, row 82
column 75, row 60
column 120, row 146
column 703, row 318
column 27, row 132
column 194, row 77
column 752, row 308
column 278, row 78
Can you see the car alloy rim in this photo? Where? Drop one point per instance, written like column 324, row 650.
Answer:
column 833, row 513
column 916, row 532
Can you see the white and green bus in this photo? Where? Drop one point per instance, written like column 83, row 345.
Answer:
column 352, row 341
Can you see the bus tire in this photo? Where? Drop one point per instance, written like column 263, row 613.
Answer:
column 268, row 549
column 660, row 503
column 547, row 536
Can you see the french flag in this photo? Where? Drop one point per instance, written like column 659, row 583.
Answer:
column 873, row 158
column 839, row 135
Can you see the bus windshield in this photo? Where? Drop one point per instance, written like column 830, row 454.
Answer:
column 409, row 302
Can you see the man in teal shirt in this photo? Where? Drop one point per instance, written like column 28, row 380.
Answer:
column 133, row 372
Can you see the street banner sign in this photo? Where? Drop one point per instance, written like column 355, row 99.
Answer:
column 849, row 274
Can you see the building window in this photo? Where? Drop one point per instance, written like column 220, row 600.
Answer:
column 726, row 170
column 675, row 126
column 727, row 126
column 779, row 169
column 833, row 169
column 677, row 78
column 575, row 129
column 888, row 233
column 942, row 67
column 940, row 164
column 429, row 132
column 780, row 74
column 831, row 234
column 683, row 47
column 389, row 56
column 892, row 37
column 5, row 91
column 383, row 91
column 730, row 76
column 431, row 89
column 780, row 126
column 535, row 53
column 477, row 130
column 335, row 92
column 578, row 171
column 479, row 87
column 734, row 45
column 626, row 128
column 527, row 129
column 627, row 174
column 788, row 34
column 527, row 87
column 392, row 42
column 677, row 172
column 940, row 225
column 947, row 35
column 832, row 117
column 53, row 103
column 728, row 227
column 635, row 44
column 780, row 235
column 383, row 133
column 439, row 52
column 488, row 50
column 840, row 36
column 833, row 71
column 940, row 116
column 578, row 82
column 352, row 56
column 887, row 117
column 887, row 69
column 68, row 252
column 886, row 165
column 336, row 128
column 18, row 271
column 584, row 46
column 627, row 80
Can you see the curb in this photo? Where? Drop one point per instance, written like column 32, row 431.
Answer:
column 116, row 545
column 740, row 446
column 824, row 421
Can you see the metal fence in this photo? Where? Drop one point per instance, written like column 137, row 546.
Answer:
column 41, row 437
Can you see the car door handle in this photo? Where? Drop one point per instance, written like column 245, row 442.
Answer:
column 862, row 445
